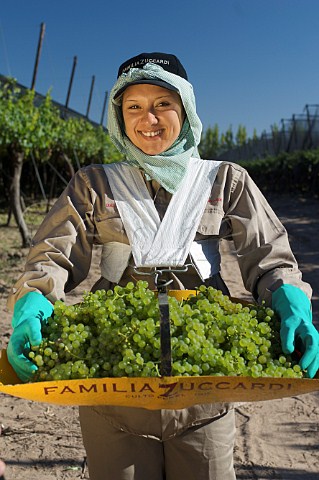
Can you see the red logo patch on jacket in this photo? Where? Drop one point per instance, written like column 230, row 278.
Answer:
column 215, row 201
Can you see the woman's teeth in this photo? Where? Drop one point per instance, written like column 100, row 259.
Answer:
column 151, row 134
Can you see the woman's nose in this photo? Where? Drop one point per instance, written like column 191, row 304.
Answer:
column 150, row 117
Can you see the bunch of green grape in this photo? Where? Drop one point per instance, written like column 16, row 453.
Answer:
column 116, row 333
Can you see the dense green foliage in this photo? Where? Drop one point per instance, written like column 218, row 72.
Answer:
column 33, row 134
column 296, row 172
column 39, row 129
column 213, row 143
column 23, row 126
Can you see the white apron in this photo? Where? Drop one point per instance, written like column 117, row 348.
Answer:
column 156, row 243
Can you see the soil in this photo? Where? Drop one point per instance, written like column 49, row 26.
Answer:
column 276, row 439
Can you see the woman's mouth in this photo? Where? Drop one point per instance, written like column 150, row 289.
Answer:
column 151, row 134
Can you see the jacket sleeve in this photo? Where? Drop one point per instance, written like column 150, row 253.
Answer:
column 263, row 251
column 60, row 254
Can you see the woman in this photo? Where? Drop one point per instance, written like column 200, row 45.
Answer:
column 163, row 206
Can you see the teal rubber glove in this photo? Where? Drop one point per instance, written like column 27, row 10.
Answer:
column 294, row 309
column 29, row 313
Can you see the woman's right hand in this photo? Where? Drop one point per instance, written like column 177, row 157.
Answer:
column 26, row 334
column 30, row 311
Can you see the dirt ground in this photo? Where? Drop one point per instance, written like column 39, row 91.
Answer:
column 276, row 439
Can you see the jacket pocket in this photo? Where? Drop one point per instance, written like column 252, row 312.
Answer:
column 210, row 222
column 110, row 229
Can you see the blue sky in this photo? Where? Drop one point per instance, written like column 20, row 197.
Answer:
column 251, row 62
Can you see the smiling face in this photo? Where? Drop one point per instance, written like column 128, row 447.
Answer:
column 153, row 117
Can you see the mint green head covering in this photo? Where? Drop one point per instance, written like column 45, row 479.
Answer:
column 169, row 167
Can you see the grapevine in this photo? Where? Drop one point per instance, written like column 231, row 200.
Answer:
column 116, row 333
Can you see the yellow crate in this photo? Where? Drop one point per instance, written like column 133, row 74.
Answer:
column 153, row 392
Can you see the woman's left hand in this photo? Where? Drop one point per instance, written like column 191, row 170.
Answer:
column 294, row 309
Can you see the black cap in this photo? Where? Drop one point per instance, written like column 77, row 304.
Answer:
column 167, row 61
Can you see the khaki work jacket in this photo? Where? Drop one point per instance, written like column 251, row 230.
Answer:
column 86, row 214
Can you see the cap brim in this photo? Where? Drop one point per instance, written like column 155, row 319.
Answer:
column 158, row 83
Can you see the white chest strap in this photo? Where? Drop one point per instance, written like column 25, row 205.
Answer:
column 167, row 243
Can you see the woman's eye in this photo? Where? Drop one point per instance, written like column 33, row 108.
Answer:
column 163, row 104
column 133, row 107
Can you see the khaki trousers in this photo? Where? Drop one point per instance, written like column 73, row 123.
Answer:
column 201, row 452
